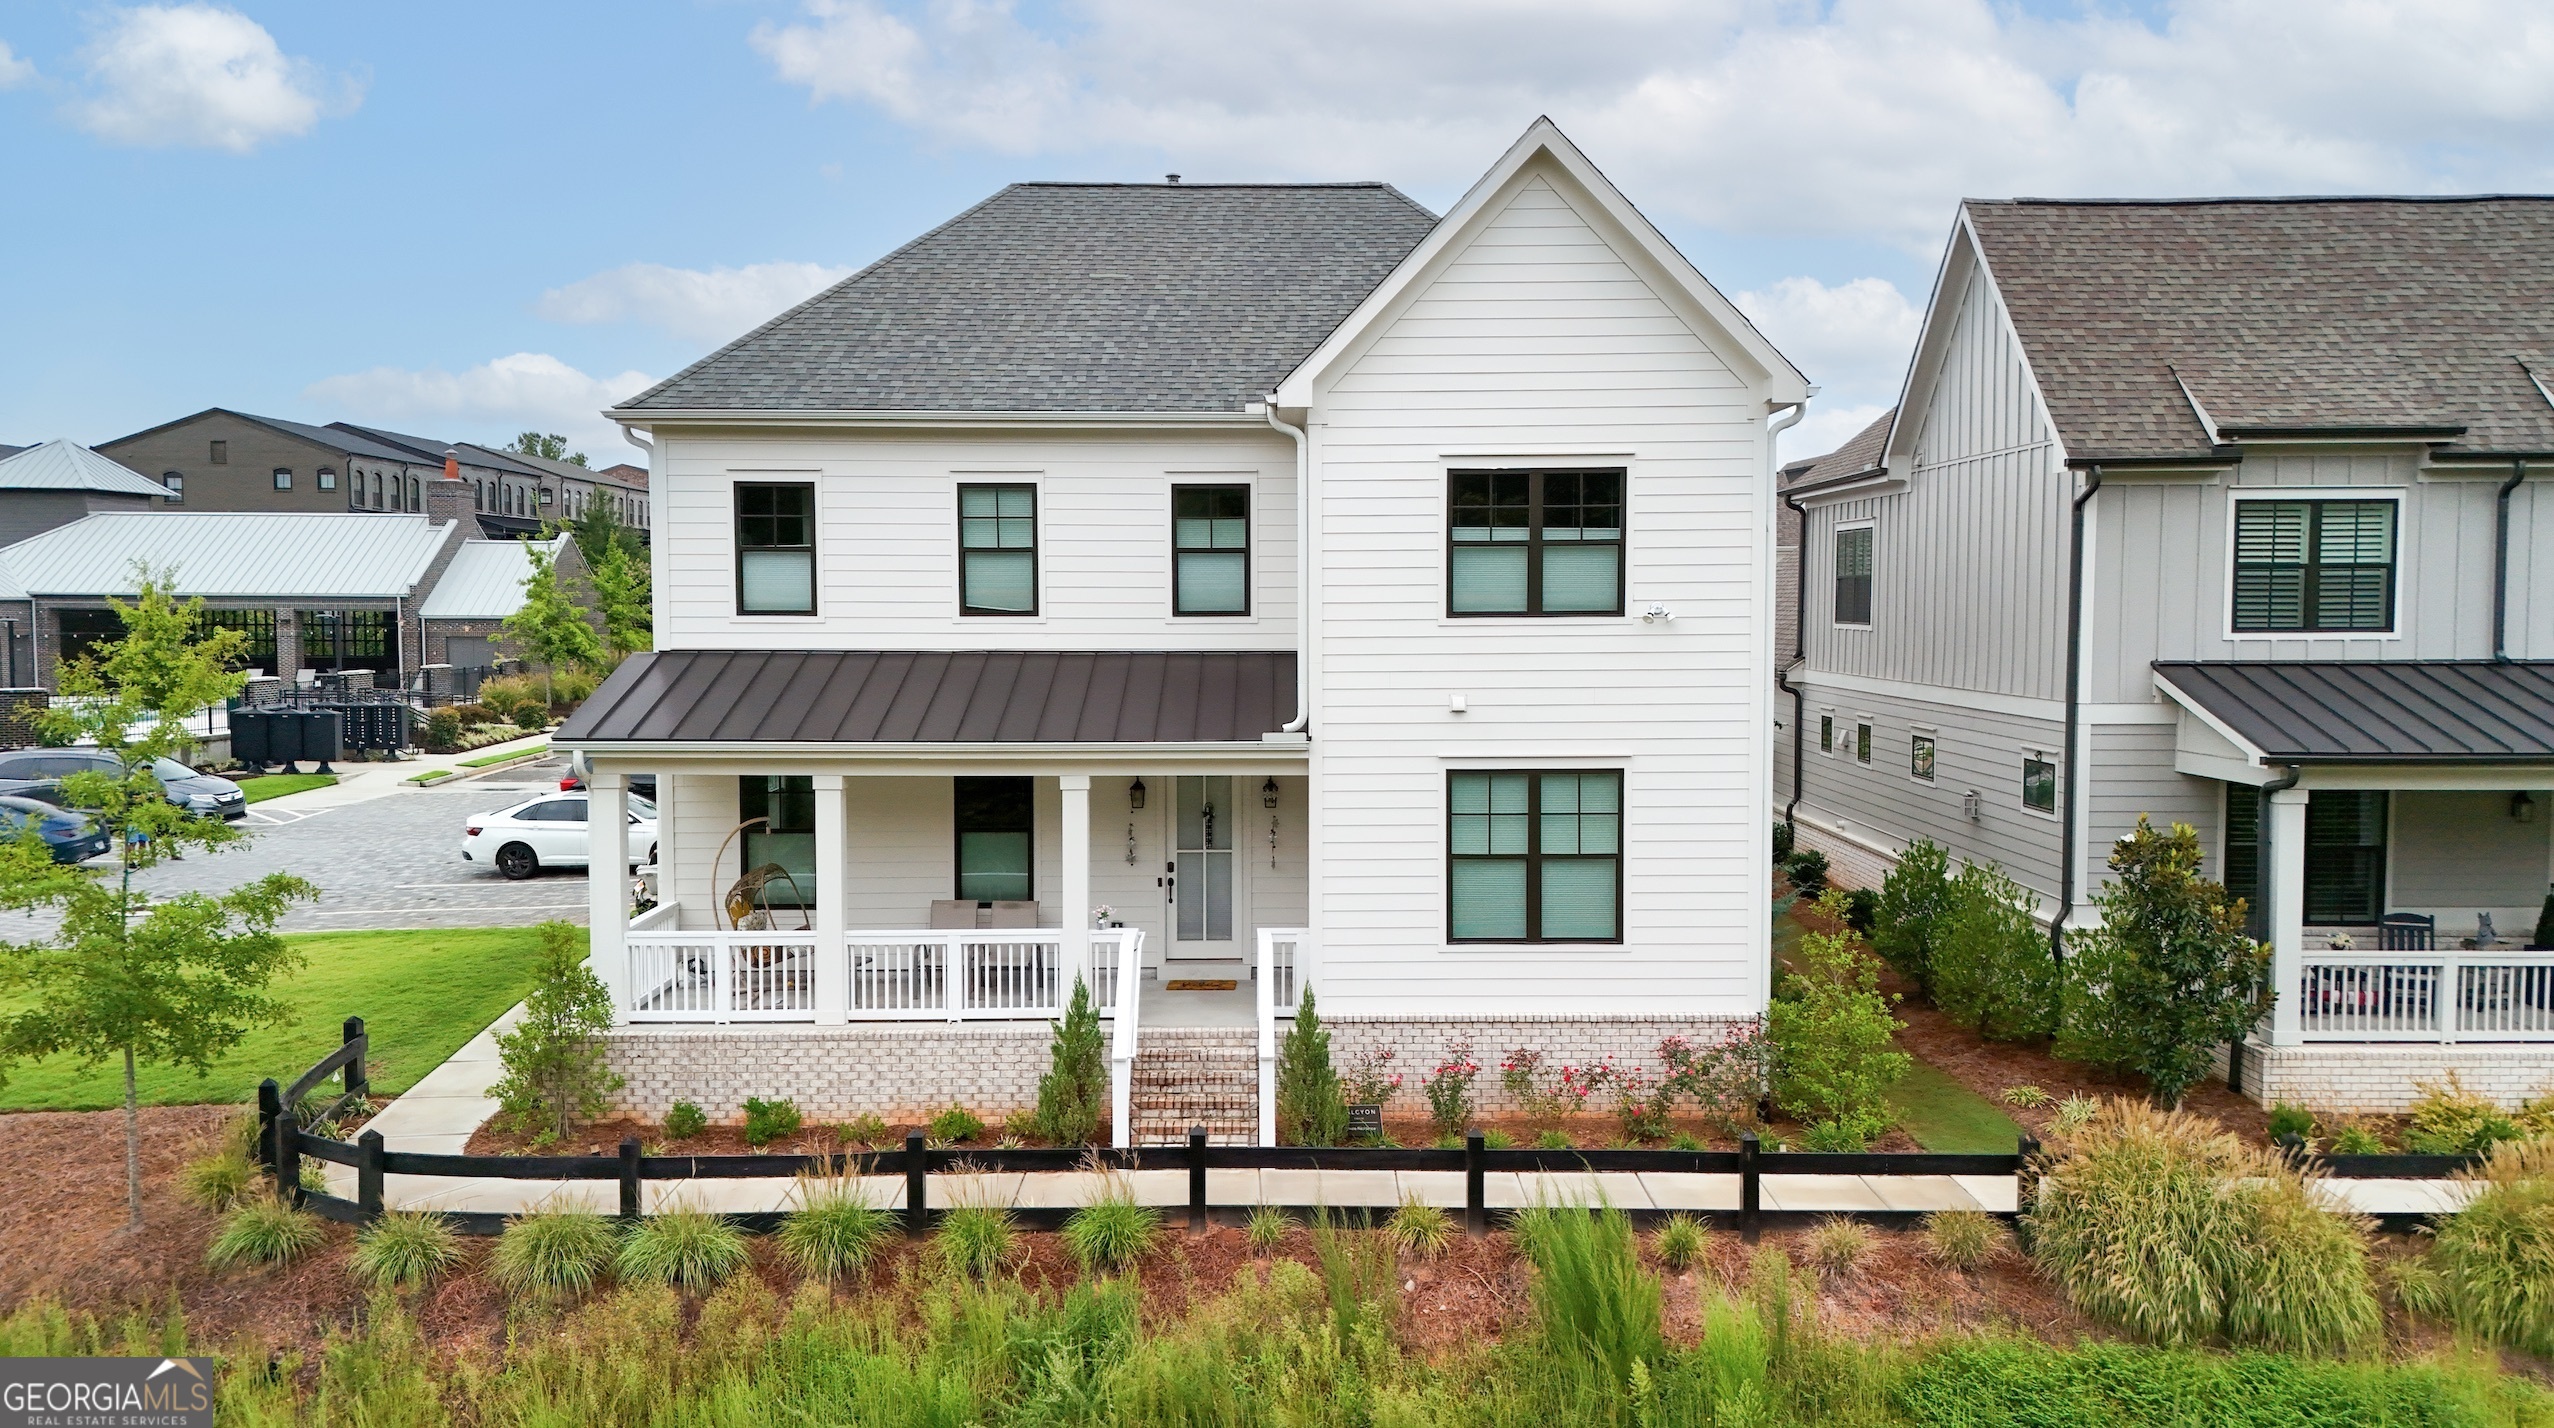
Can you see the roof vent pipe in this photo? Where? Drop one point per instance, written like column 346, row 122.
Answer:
column 2501, row 563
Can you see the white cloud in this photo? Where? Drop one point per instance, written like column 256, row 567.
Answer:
column 1864, row 117
column 14, row 70
column 488, row 403
column 697, row 306
column 200, row 76
column 1852, row 339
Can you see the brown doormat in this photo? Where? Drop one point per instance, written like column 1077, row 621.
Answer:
column 1200, row 984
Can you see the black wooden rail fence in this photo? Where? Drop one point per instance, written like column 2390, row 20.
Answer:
column 288, row 1135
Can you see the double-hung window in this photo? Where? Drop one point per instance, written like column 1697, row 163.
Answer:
column 1535, row 857
column 1536, row 543
column 775, row 548
column 995, row 818
column 998, row 550
column 1210, row 550
column 2314, row 565
column 1853, row 576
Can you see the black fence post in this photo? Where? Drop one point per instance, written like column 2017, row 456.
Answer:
column 1197, row 1180
column 357, row 1082
column 1476, row 1201
column 917, row 1185
column 629, row 1177
column 368, row 1173
column 288, row 1155
column 2235, row 1066
column 270, row 1105
column 1747, row 1186
column 2026, row 1174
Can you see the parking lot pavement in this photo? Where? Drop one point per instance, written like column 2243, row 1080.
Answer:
column 392, row 861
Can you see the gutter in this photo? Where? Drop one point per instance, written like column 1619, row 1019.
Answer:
column 2501, row 562
column 1303, row 571
column 2074, row 705
column 1799, row 616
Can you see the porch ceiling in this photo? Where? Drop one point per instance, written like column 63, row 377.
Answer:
column 939, row 697
column 2393, row 712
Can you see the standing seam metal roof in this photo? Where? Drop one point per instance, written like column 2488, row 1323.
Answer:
column 2395, row 711
column 351, row 555
column 484, row 580
column 68, row 466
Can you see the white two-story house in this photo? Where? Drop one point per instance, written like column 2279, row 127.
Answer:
column 1220, row 592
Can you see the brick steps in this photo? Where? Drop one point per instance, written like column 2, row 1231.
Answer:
column 1196, row 1077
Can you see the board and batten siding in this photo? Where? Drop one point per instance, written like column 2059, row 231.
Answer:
column 887, row 538
column 1534, row 342
column 1969, row 560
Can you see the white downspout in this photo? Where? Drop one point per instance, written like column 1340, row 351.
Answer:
column 1303, row 571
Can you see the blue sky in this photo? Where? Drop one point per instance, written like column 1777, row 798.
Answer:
column 469, row 218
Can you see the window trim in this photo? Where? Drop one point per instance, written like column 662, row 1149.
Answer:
column 1866, row 730
column 2057, row 778
column 327, row 476
column 1534, row 855
column 1835, row 534
column 1622, row 543
column 1249, row 549
column 958, row 839
column 1827, row 731
column 2399, row 594
column 1037, row 542
column 174, row 482
column 736, row 536
column 283, row 478
column 1932, row 742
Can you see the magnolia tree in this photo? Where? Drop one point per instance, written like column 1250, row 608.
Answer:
column 174, row 980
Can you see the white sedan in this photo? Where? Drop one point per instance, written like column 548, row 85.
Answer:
column 548, row 832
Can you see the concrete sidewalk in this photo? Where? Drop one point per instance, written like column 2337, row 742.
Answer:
column 364, row 782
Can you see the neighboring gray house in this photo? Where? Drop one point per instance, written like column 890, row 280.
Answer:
column 59, row 482
column 2220, row 512
column 224, row 460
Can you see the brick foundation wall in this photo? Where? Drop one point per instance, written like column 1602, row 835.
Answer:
column 1419, row 1044
column 2385, row 1078
column 833, row 1073
column 1849, row 864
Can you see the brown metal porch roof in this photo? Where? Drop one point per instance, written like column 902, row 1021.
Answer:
column 940, row 697
column 2368, row 711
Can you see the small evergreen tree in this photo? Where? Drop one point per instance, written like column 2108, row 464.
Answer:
column 2168, row 975
column 1991, row 963
column 555, row 1070
column 1310, row 1108
column 1912, row 900
column 1075, row 1089
column 1834, row 1041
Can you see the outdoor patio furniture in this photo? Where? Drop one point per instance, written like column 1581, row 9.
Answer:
column 2407, row 932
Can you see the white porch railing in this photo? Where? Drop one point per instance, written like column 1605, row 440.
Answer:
column 722, row 976
column 1284, row 963
column 894, row 975
column 2445, row 995
column 1126, row 1007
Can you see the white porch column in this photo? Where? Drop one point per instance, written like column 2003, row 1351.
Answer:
column 2287, row 912
column 833, row 965
column 668, row 855
column 607, row 885
column 1075, row 840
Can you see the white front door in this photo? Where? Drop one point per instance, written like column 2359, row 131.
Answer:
column 1209, row 899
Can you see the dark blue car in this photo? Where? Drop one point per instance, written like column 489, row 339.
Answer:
column 71, row 836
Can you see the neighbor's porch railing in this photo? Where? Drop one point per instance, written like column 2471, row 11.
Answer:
column 1284, row 964
column 893, row 975
column 2486, row 994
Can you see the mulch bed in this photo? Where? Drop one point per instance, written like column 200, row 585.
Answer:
column 605, row 1137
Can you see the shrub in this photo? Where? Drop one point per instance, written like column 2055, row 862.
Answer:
column 768, row 1121
column 1592, row 1299
column 1419, row 1229
column 835, row 1230
column 1862, row 910
column 2490, row 1269
column 442, row 732
column 1551, row 1140
column 1725, row 1080
column 866, row 1129
column 1834, row 1057
column 1073, row 1095
column 1449, row 1088
column 2075, row 1113
column 1962, row 1239
column 1112, row 1232
column 471, row 716
column 405, row 1248
column 2356, row 1139
column 1838, row 1246
column 955, row 1124
column 1679, row 1242
column 1912, row 900
column 2027, row 1097
column 1495, row 1139
column 2451, row 1120
column 1991, row 964
column 2288, row 1118
column 217, row 1181
column 554, row 1060
column 688, row 1249
column 2167, row 1228
column 263, row 1229
column 1310, row 1109
column 685, row 1121
column 1370, row 1079
column 553, row 1253
column 1807, row 869
column 975, row 1240
column 2167, row 975
column 1782, row 843
column 1267, row 1228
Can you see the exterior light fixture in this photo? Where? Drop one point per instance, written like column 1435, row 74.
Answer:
column 2522, row 807
column 1135, row 796
column 1268, row 793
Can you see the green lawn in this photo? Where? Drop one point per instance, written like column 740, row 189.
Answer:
column 486, row 759
column 1948, row 1118
column 421, row 994
column 266, row 786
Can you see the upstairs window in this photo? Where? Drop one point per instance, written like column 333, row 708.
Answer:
column 1853, row 576
column 995, row 817
column 2039, row 782
column 2314, row 565
column 175, row 481
column 998, row 550
column 775, row 549
column 1210, row 550
column 283, row 478
column 1920, row 757
column 1536, row 543
column 327, row 479
column 1535, row 857
column 220, row 455
column 1862, row 743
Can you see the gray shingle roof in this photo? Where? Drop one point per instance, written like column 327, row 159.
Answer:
column 1861, row 452
column 2281, row 313
column 2396, row 711
column 1074, row 298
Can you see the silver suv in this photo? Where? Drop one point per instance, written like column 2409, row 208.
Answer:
column 38, row 774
